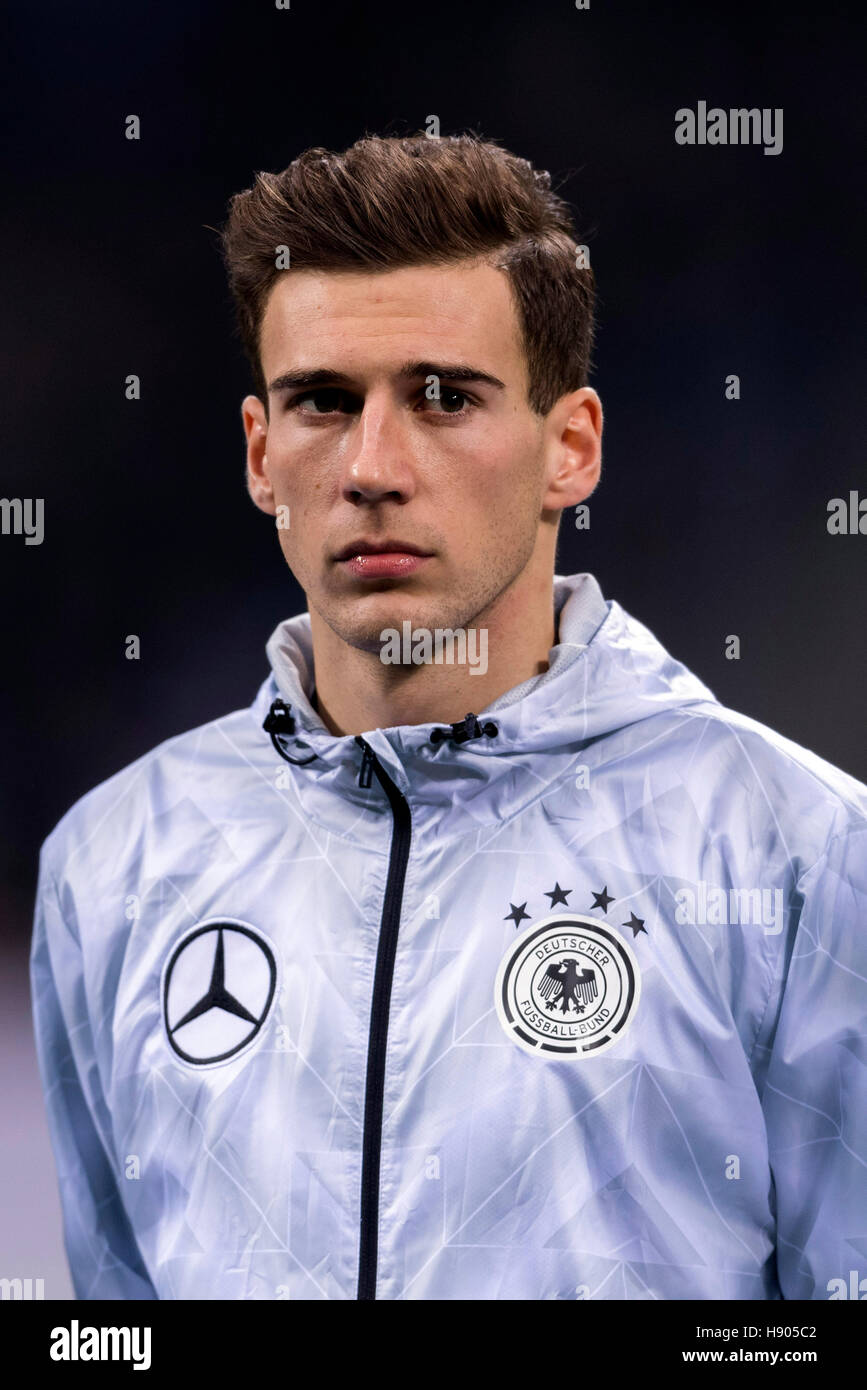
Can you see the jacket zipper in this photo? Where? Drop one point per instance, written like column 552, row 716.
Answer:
column 378, row 1035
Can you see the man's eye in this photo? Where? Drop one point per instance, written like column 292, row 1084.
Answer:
column 450, row 401
column 333, row 400
column 326, row 401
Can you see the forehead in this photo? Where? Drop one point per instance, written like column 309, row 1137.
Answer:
column 463, row 311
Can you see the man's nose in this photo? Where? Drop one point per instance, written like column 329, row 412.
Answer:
column 379, row 460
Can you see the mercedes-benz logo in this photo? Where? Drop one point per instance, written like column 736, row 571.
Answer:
column 218, row 987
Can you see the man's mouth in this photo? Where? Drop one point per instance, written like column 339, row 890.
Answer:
column 386, row 547
column 388, row 559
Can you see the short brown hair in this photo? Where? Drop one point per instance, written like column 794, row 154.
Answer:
column 393, row 201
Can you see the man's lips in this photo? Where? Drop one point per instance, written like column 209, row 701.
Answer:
column 386, row 547
column 387, row 559
column 384, row 564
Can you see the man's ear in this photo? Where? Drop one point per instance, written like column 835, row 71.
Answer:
column 256, row 431
column 574, row 449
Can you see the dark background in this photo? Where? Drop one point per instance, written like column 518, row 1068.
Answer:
column 711, row 516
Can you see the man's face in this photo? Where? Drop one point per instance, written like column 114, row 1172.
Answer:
column 364, row 453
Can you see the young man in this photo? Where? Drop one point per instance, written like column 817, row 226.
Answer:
column 354, row 994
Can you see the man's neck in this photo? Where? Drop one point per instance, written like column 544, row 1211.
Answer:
column 357, row 691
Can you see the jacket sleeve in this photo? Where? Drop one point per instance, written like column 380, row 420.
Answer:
column 104, row 1259
column 815, row 1093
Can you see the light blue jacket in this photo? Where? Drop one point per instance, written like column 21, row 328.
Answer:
column 566, row 1001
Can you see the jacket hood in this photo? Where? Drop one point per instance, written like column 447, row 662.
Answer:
column 606, row 671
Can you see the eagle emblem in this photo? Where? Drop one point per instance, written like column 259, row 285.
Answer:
column 566, row 984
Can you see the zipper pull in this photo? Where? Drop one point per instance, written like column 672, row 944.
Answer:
column 368, row 758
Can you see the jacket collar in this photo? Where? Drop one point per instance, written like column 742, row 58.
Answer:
column 606, row 670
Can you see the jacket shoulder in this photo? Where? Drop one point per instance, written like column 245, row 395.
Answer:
column 801, row 786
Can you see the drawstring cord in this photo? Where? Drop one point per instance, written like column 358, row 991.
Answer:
column 280, row 723
column 465, row 729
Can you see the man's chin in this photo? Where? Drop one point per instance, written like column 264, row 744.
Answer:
column 361, row 620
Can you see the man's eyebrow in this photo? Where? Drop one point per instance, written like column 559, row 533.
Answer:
column 320, row 377
column 450, row 371
column 410, row 371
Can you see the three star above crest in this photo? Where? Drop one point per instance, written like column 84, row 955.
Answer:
column 560, row 895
